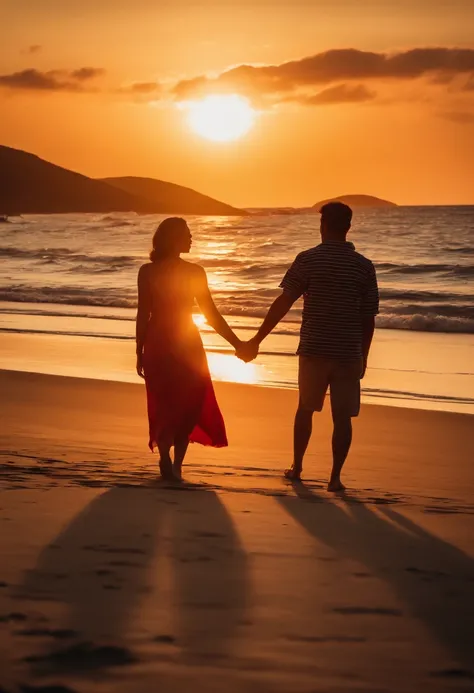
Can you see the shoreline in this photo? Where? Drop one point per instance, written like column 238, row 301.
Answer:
column 410, row 370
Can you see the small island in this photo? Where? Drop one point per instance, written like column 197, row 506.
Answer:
column 357, row 201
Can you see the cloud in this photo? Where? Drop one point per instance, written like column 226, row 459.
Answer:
column 469, row 85
column 83, row 74
column 277, row 81
column 342, row 93
column 52, row 80
column 142, row 88
column 461, row 117
column 33, row 49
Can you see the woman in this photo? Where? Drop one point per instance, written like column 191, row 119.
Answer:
column 182, row 406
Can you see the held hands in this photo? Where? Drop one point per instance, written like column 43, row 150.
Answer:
column 248, row 351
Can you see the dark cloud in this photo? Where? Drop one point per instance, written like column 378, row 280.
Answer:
column 276, row 81
column 86, row 73
column 33, row 49
column 342, row 93
column 53, row 80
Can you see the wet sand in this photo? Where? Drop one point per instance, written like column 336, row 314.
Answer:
column 113, row 581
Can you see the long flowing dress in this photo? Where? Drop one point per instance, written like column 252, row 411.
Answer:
column 180, row 395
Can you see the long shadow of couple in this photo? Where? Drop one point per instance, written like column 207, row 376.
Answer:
column 177, row 552
column 103, row 565
column 433, row 579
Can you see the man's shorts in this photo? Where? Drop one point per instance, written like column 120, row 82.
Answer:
column 317, row 373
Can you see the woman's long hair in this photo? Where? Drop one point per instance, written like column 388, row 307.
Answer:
column 167, row 238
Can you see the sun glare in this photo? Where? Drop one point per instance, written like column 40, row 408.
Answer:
column 220, row 118
column 199, row 319
column 228, row 367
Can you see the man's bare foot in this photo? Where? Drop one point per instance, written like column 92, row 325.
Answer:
column 335, row 485
column 293, row 474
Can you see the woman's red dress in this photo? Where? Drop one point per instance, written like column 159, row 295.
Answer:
column 180, row 395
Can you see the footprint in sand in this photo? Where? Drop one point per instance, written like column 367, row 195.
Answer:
column 46, row 689
column 166, row 639
column 320, row 639
column 453, row 674
column 125, row 564
column 426, row 573
column 57, row 634
column 13, row 616
column 367, row 611
column 85, row 656
column 109, row 549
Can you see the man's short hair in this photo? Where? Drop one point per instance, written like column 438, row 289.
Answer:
column 337, row 216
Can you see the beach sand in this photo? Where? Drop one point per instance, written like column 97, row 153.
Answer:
column 238, row 581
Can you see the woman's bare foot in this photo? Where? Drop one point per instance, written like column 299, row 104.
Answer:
column 166, row 468
column 336, row 485
column 293, row 474
column 177, row 471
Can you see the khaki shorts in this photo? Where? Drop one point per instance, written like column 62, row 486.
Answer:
column 317, row 373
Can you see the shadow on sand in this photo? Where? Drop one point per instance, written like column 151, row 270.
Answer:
column 100, row 568
column 431, row 577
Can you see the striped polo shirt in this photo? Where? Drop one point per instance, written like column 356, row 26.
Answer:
column 339, row 286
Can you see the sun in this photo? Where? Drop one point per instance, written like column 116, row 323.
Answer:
column 221, row 118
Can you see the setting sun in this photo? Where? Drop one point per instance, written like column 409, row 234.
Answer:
column 221, row 118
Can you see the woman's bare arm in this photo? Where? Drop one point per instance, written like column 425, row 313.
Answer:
column 143, row 315
column 210, row 311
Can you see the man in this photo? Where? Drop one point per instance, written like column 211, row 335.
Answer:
column 340, row 304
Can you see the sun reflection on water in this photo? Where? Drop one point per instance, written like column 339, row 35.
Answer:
column 229, row 368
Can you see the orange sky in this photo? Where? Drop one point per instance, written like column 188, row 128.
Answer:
column 400, row 128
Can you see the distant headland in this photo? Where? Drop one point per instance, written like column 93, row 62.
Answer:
column 30, row 185
column 357, row 201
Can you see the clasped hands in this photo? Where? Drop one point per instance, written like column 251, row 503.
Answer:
column 248, row 351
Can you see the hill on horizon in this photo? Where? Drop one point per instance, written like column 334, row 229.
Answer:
column 171, row 198
column 31, row 185
column 357, row 201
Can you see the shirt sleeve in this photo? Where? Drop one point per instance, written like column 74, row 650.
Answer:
column 294, row 282
column 370, row 297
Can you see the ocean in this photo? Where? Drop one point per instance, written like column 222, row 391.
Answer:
column 74, row 276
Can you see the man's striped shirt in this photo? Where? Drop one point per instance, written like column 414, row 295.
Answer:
column 339, row 287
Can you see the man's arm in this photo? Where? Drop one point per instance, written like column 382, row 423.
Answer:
column 294, row 284
column 370, row 308
column 368, row 328
column 276, row 312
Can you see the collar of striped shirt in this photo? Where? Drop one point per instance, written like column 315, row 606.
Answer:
column 333, row 241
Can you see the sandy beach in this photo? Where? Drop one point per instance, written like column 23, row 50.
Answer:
column 110, row 580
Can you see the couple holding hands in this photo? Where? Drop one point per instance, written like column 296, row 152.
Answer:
column 341, row 301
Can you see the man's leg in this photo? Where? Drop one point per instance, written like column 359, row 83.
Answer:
column 341, row 443
column 345, row 404
column 301, row 437
column 313, row 384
